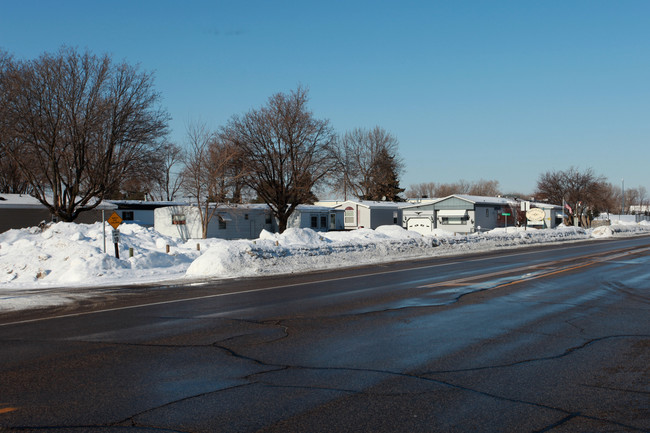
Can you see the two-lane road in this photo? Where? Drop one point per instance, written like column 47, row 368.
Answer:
column 542, row 339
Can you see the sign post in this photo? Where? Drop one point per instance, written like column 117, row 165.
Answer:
column 506, row 214
column 525, row 207
column 114, row 220
column 536, row 215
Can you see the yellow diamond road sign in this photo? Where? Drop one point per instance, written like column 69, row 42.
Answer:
column 114, row 220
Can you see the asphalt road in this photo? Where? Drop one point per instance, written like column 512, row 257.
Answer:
column 549, row 339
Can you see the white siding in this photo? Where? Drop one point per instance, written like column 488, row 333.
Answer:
column 227, row 223
column 191, row 229
column 313, row 217
column 367, row 214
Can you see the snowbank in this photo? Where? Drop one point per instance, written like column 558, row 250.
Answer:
column 72, row 255
column 65, row 254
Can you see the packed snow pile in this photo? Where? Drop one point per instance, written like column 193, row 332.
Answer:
column 620, row 229
column 71, row 255
column 66, row 254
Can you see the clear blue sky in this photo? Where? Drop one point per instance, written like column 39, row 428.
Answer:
column 499, row 90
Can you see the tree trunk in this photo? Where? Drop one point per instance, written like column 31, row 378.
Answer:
column 282, row 223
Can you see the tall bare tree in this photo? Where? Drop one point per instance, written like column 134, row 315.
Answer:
column 209, row 173
column 635, row 199
column 11, row 179
column 286, row 152
column 167, row 177
column 81, row 124
column 585, row 193
column 362, row 157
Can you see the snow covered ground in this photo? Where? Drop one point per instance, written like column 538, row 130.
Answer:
column 40, row 268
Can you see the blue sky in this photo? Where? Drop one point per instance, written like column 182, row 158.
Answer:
column 473, row 90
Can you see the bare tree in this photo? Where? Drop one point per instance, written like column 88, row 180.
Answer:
column 139, row 181
column 7, row 93
column 422, row 190
column 285, row 151
column 11, row 179
column 486, row 188
column 197, row 173
column 82, row 124
column 635, row 199
column 482, row 187
column 447, row 189
column 168, row 177
column 585, row 193
column 643, row 199
column 360, row 153
column 208, row 172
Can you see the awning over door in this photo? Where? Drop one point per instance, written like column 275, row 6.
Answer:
column 457, row 213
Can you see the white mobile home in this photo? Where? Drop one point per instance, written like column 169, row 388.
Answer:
column 318, row 218
column 460, row 214
column 370, row 214
column 419, row 217
column 228, row 222
column 139, row 211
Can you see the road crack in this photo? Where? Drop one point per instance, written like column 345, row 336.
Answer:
column 567, row 352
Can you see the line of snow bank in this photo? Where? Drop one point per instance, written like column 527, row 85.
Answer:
column 71, row 255
column 300, row 250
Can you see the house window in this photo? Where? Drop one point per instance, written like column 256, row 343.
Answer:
column 222, row 224
column 178, row 219
column 349, row 216
column 454, row 220
column 127, row 215
column 323, row 221
column 245, row 216
column 314, row 221
column 268, row 219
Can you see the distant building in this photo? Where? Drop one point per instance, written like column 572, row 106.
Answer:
column 637, row 209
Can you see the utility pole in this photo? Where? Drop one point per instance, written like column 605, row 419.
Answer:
column 622, row 196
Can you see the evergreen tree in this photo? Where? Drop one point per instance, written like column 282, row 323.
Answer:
column 384, row 178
